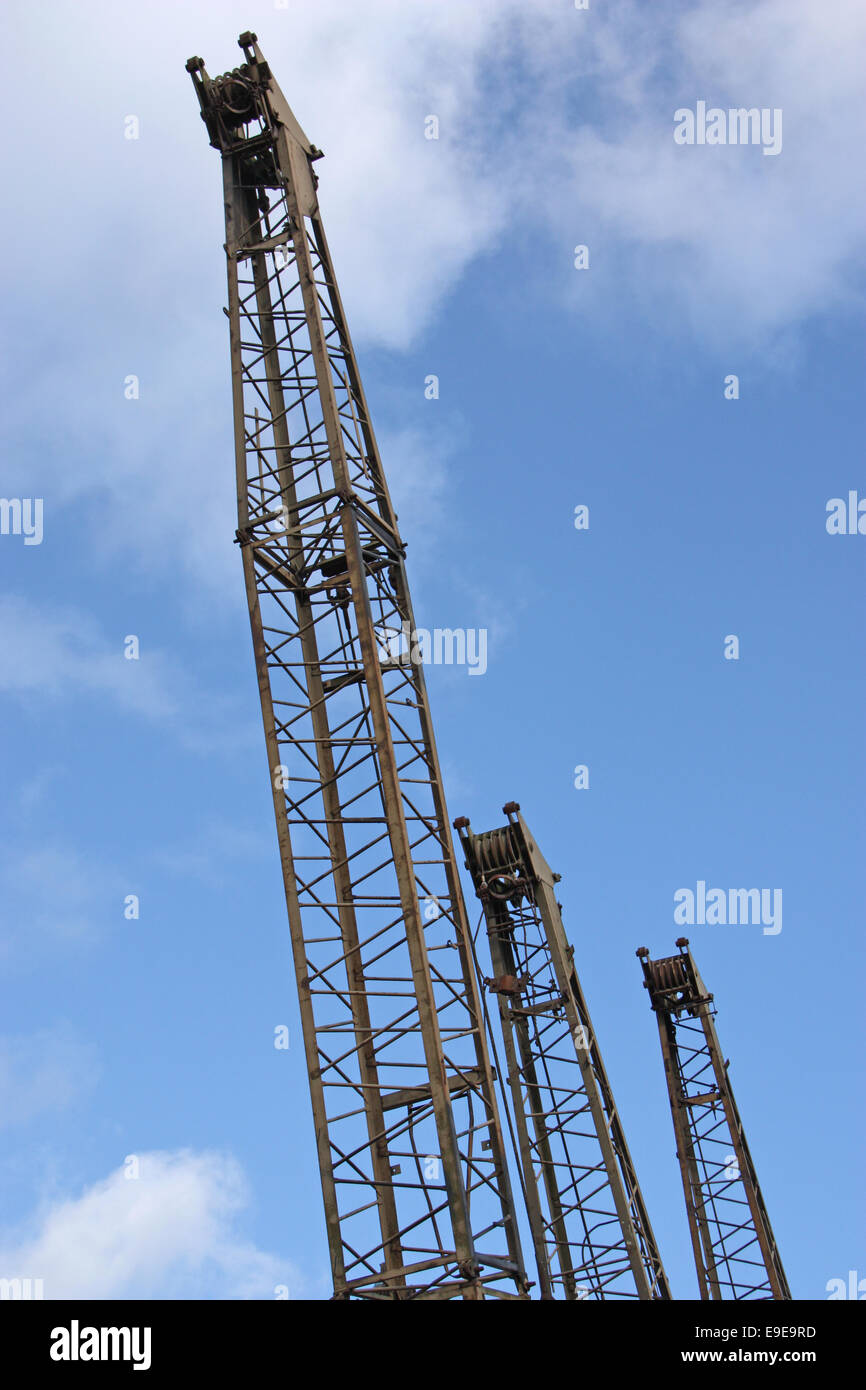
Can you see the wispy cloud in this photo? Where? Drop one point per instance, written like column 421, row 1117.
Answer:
column 45, row 1071
column 54, row 652
column 60, row 652
column 213, row 851
column 54, row 896
column 418, row 479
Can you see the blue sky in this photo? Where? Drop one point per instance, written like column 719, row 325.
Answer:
column 558, row 387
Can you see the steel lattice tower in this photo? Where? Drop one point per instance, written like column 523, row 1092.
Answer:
column 410, row 1146
column 732, row 1240
column 591, row 1232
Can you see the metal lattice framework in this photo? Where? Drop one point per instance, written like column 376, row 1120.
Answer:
column 414, row 1179
column 591, row 1232
column 732, row 1240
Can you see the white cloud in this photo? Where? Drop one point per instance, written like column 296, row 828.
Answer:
column 406, row 215
column 172, row 1232
column 746, row 246
column 44, row 1071
column 554, row 123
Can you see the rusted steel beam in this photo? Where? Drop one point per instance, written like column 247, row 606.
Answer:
column 591, row 1232
column 405, row 1110
column 733, row 1245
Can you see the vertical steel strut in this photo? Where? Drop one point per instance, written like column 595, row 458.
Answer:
column 590, row 1229
column 414, row 1179
column 732, row 1240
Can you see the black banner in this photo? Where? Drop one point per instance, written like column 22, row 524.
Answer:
column 158, row 1339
